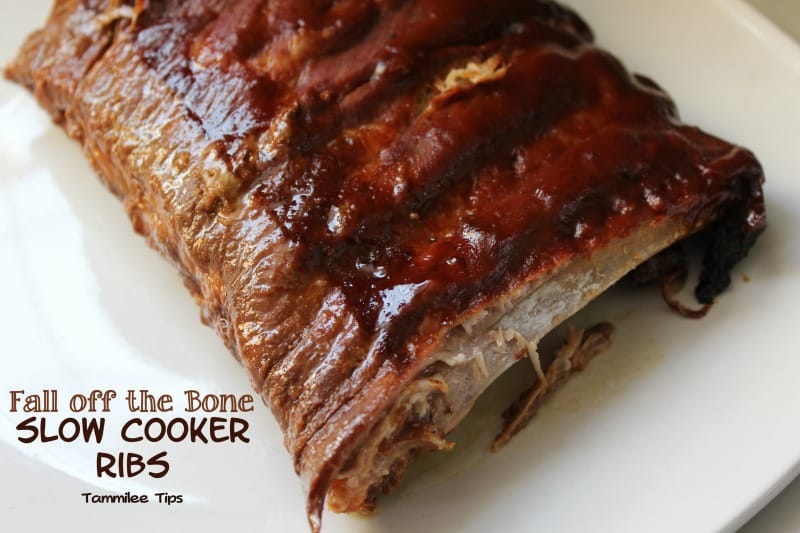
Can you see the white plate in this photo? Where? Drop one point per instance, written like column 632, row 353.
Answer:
column 684, row 426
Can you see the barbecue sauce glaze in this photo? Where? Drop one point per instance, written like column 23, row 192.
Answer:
column 421, row 200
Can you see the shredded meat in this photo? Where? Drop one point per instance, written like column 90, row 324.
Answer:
column 579, row 348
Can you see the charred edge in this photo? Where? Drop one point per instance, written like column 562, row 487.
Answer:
column 727, row 241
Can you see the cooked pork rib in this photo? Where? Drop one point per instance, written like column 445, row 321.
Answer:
column 381, row 205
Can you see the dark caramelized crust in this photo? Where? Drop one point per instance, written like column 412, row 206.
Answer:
column 339, row 182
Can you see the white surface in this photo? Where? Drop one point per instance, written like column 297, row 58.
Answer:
column 782, row 515
column 684, row 426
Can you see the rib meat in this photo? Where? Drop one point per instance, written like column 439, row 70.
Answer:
column 381, row 205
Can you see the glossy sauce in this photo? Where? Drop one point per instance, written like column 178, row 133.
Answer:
column 421, row 205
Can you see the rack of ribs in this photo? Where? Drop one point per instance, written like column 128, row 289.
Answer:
column 381, row 205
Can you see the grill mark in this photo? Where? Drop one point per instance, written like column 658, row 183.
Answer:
column 371, row 365
column 482, row 137
column 433, row 154
column 420, row 158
